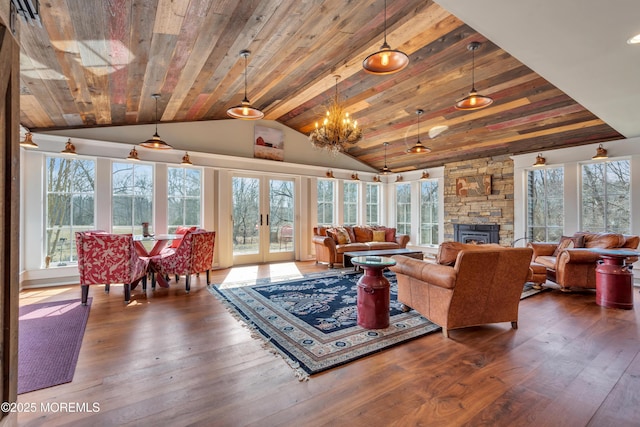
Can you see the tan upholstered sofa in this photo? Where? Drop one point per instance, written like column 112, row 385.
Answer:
column 483, row 285
column 571, row 264
column 332, row 242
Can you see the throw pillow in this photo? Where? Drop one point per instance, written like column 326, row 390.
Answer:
column 363, row 234
column 342, row 235
column 378, row 235
column 566, row 242
column 390, row 235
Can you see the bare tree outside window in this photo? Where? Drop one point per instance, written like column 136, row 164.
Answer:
column 132, row 197
column 429, row 212
column 326, row 201
column 606, row 197
column 403, row 208
column 70, row 206
column 246, row 214
column 545, row 204
column 373, row 204
column 184, row 187
column 350, row 203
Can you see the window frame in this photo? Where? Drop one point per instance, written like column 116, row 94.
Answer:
column 432, row 206
column 184, row 198
column 134, row 228
column 403, row 227
column 332, row 202
column 72, row 227
column 605, row 210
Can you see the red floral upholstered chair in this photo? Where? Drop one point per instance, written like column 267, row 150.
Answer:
column 193, row 255
column 105, row 258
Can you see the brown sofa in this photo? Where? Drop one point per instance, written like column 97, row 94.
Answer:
column 571, row 264
column 483, row 286
column 332, row 242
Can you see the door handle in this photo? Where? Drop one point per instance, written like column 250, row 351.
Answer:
column 267, row 220
column 260, row 219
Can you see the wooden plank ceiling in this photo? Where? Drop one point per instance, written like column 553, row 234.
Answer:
column 97, row 63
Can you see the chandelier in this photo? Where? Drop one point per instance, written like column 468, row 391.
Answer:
column 337, row 129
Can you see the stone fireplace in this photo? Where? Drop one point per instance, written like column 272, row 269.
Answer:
column 495, row 210
column 476, row 233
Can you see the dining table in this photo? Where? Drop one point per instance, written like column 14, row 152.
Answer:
column 160, row 241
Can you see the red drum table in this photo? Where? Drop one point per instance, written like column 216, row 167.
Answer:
column 614, row 280
column 373, row 291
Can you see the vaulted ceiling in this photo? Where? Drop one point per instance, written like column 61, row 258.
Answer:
column 97, row 63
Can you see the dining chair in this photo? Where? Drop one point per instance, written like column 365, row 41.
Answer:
column 105, row 258
column 193, row 255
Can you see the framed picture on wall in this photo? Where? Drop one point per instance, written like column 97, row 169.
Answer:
column 479, row 185
column 268, row 143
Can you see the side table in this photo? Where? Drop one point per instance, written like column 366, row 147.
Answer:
column 373, row 291
column 614, row 280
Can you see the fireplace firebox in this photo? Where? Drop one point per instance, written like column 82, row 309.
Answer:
column 476, row 233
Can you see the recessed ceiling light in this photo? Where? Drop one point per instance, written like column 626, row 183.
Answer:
column 634, row 40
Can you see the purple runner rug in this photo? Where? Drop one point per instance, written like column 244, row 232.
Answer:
column 49, row 339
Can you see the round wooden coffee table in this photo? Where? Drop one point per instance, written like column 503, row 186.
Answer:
column 373, row 291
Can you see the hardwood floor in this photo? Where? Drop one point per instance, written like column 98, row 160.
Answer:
column 169, row 358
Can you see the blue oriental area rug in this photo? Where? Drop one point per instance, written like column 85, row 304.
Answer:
column 312, row 322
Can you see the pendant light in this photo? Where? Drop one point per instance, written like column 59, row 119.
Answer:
column 69, row 148
column 155, row 142
column 28, row 141
column 245, row 110
column 386, row 60
column 473, row 101
column 385, row 169
column 418, row 147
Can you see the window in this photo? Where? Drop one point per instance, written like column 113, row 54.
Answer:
column 545, row 204
column 429, row 212
column 403, row 208
column 70, row 206
column 350, row 203
column 373, row 204
column 132, row 197
column 606, row 197
column 325, row 201
column 184, row 186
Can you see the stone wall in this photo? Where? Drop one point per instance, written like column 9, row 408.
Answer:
column 496, row 208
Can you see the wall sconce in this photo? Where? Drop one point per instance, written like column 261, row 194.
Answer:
column 540, row 161
column 377, row 178
column 601, row 153
column 399, row 178
column 425, row 175
column 69, row 148
column 133, row 155
column 186, row 160
column 329, row 174
column 28, row 141
column 354, row 176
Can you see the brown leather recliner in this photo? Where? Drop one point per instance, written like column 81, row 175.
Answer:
column 484, row 286
column 575, row 266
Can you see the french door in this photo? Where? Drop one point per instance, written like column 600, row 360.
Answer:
column 263, row 215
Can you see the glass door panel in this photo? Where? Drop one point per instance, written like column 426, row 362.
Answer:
column 281, row 216
column 246, row 215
